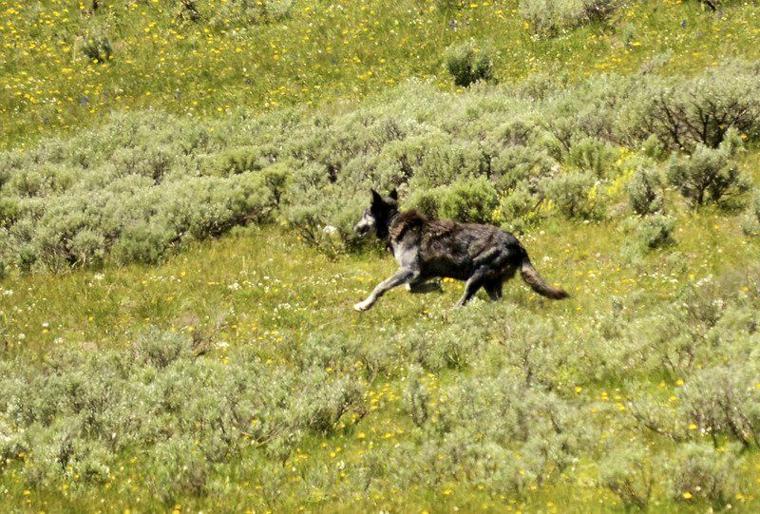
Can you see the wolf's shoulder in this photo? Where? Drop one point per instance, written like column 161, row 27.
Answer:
column 406, row 221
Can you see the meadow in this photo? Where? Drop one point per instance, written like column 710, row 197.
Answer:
column 178, row 265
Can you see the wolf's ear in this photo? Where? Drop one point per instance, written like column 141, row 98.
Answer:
column 376, row 198
column 394, row 194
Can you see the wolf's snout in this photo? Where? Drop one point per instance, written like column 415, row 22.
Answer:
column 361, row 228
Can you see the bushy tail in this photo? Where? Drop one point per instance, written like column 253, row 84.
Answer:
column 534, row 280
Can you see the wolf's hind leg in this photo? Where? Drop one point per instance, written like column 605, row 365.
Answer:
column 474, row 283
column 494, row 289
column 402, row 276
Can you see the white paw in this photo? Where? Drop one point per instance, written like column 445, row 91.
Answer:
column 362, row 306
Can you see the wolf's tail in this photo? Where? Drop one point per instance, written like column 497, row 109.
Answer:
column 534, row 280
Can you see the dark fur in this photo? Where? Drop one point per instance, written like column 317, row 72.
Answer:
column 483, row 255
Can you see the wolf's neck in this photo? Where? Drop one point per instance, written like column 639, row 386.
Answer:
column 382, row 227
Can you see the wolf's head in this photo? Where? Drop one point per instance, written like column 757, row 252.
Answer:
column 378, row 215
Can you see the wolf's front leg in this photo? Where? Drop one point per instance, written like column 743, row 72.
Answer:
column 402, row 276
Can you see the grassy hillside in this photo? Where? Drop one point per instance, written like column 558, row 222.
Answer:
column 268, row 317
column 176, row 331
column 307, row 52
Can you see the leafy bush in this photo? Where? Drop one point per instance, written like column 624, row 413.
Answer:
column 180, row 469
column 235, row 161
column 143, row 242
column 137, row 217
column 331, row 402
column 97, row 48
column 523, row 436
column 469, row 62
column 325, row 222
column 645, row 191
column 76, row 414
column 686, row 113
column 751, row 224
column 426, row 201
column 159, row 349
column 521, row 165
column 146, row 183
column 591, row 155
column 653, row 148
column 719, row 402
column 416, row 397
column 428, row 160
column 576, row 195
column 550, row 17
column 648, row 233
column 629, row 474
column 519, row 209
column 701, row 471
column 472, row 200
column 589, row 110
column 452, row 349
column 709, row 175
column 656, row 231
column 243, row 13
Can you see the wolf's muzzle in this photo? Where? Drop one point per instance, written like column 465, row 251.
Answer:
column 361, row 229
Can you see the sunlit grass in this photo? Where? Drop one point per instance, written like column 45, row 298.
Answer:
column 315, row 55
column 265, row 291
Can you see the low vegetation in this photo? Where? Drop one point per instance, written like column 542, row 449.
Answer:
column 176, row 280
column 188, row 370
column 147, row 183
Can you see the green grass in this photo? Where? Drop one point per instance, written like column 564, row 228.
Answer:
column 316, row 55
column 99, row 310
column 260, row 294
column 107, row 307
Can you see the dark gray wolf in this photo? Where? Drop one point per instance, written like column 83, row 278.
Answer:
column 483, row 255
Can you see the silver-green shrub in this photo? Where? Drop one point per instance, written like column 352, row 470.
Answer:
column 77, row 413
column 719, row 401
column 710, row 175
column 519, row 209
column 683, row 113
column 551, row 17
column 179, row 470
column 751, row 223
column 576, row 195
column 469, row 62
column 425, row 201
column 145, row 184
column 702, row 471
column 325, row 218
column 244, row 13
column 591, row 155
column 649, row 232
column 629, row 474
column 472, row 200
column 495, row 430
column 645, row 191
column 589, row 110
column 416, row 397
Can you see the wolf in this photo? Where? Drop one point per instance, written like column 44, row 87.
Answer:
column 482, row 255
